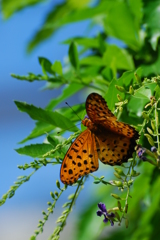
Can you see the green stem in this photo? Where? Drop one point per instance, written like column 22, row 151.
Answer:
column 156, row 120
column 157, row 133
column 72, row 202
column 63, row 222
column 145, row 120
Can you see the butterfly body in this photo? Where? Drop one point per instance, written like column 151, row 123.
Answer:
column 105, row 138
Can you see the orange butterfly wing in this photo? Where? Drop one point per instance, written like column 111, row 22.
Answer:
column 80, row 159
column 115, row 140
column 100, row 114
column 114, row 149
column 105, row 138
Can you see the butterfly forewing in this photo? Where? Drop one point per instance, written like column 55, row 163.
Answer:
column 81, row 158
column 100, row 114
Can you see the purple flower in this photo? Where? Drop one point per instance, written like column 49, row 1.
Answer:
column 86, row 116
column 140, row 152
column 107, row 216
column 153, row 149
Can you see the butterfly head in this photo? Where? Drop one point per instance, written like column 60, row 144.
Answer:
column 89, row 124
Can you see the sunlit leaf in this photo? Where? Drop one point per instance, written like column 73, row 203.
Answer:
column 54, row 118
column 73, row 55
column 40, row 129
column 127, row 27
column 9, row 7
column 35, row 150
column 152, row 20
column 46, row 65
column 57, row 67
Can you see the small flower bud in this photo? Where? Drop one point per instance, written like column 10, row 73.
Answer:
column 134, row 173
column 52, row 195
column 153, row 125
column 153, row 149
column 56, row 193
column 130, row 182
column 119, row 98
column 101, row 177
column 126, row 208
column 11, row 194
column 71, row 196
column 149, row 131
column 33, row 237
column 126, row 223
column 96, row 181
column 117, row 175
column 120, row 109
column 115, row 196
column 58, row 184
column 120, row 88
column 119, row 205
column 119, row 171
column 138, row 79
column 131, row 90
column 145, row 116
column 150, row 139
column 118, row 183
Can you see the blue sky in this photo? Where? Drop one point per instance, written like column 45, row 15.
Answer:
column 17, row 213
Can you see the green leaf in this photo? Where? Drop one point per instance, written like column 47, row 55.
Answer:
column 32, row 238
column 54, row 118
column 35, row 150
column 57, row 67
column 46, row 65
column 157, row 91
column 66, row 13
column 9, row 7
column 152, row 68
column 152, row 21
column 83, row 41
column 102, row 43
column 111, row 95
column 73, row 55
column 126, row 78
column 107, row 73
column 118, row 58
column 145, row 92
column 68, row 91
column 40, row 129
column 92, row 60
column 123, row 21
column 52, row 140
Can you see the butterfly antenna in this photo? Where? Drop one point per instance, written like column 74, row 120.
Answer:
column 68, row 128
column 73, row 110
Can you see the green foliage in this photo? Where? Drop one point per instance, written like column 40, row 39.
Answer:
column 125, row 75
column 9, row 7
column 54, row 118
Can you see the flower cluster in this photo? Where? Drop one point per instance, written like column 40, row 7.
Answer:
column 107, row 216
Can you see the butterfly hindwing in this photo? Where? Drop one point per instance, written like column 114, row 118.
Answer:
column 114, row 149
column 81, row 158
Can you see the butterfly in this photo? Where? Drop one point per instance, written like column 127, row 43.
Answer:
column 106, row 139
